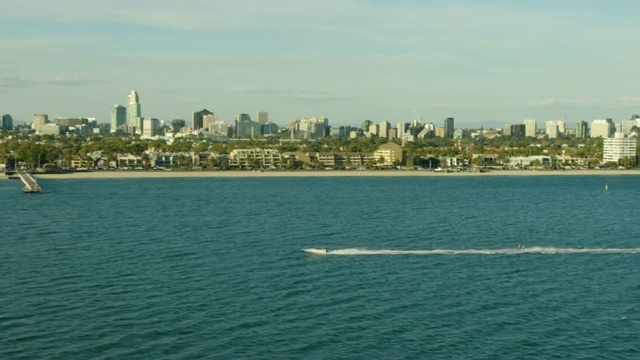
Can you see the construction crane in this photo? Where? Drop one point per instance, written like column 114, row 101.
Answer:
column 418, row 117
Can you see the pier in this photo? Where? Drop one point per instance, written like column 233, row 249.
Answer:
column 29, row 182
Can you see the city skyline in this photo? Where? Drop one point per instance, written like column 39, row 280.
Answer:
column 488, row 63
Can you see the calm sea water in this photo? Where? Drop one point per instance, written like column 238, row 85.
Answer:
column 417, row 268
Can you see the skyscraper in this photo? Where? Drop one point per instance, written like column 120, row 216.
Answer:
column 530, row 127
column 197, row 118
column 176, row 125
column 39, row 121
column 118, row 117
column 134, row 113
column 582, row 129
column 385, row 126
column 263, row 117
column 7, row 122
column 448, row 127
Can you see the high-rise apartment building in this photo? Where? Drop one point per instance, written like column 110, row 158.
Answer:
column 582, row 129
column 207, row 120
column 618, row 147
column 151, row 127
column 118, row 117
column 263, row 117
column 365, row 125
column 197, row 117
column 448, row 127
column 310, row 128
column 385, row 126
column 602, row 128
column 7, row 122
column 134, row 112
column 555, row 128
column 627, row 125
column 177, row 124
column 530, row 127
column 245, row 127
column 39, row 120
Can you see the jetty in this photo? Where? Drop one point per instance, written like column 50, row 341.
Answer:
column 29, row 182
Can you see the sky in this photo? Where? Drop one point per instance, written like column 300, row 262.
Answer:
column 485, row 63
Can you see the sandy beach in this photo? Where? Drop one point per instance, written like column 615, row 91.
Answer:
column 323, row 173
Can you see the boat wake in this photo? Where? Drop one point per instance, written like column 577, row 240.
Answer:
column 509, row 251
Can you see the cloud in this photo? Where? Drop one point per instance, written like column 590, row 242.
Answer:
column 26, row 82
column 309, row 95
column 626, row 101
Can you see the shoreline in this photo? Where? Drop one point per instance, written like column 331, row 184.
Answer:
column 138, row 174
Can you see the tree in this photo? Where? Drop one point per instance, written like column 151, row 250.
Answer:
column 145, row 160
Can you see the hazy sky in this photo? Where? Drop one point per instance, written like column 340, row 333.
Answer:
column 482, row 62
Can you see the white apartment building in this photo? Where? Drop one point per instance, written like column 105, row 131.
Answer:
column 261, row 157
column 618, row 147
column 555, row 128
column 530, row 127
column 602, row 128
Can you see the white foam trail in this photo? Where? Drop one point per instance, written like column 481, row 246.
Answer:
column 509, row 251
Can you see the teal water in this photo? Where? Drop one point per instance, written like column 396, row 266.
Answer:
column 417, row 268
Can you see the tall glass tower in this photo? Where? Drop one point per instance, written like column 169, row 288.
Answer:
column 118, row 117
column 448, row 128
column 134, row 114
column 7, row 122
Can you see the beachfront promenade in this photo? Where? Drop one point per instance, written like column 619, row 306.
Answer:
column 113, row 174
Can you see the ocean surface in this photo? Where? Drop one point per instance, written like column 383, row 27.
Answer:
column 417, row 268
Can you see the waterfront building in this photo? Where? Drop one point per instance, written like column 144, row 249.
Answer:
column 526, row 161
column 198, row 118
column 582, row 129
column 602, row 128
column 255, row 157
column 134, row 112
column 389, row 153
column 39, row 120
column 530, row 127
column 448, row 127
column 7, row 122
column 263, row 117
column 618, row 147
column 118, row 117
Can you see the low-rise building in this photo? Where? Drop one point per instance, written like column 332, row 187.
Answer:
column 389, row 153
column 254, row 157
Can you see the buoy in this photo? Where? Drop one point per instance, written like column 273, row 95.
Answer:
column 606, row 186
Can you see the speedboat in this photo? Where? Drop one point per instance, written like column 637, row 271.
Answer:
column 316, row 251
